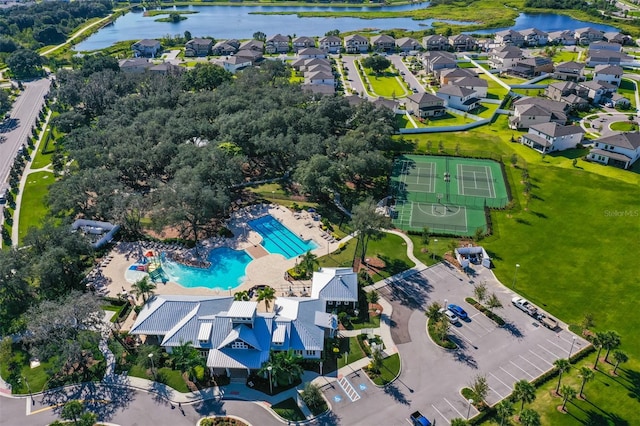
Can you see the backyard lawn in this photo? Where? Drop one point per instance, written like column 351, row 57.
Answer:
column 494, row 88
column 33, row 207
column 565, row 56
column 628, row 90
column 387, row 84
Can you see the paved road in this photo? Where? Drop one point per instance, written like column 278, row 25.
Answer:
column 352, row 74
column 408, row 75
column 126, row 407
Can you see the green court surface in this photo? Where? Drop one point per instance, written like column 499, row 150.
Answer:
column 447, row 194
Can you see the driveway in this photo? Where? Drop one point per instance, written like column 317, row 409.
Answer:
column 408, row 75
column 432, row 377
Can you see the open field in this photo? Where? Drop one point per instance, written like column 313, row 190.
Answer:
column 386, row 84
column 33, row 207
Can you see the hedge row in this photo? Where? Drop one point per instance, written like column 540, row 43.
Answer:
column 485, row 311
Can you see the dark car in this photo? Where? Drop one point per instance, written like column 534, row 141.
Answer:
column 461, row 313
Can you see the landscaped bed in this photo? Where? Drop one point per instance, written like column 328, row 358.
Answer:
column 288, row 410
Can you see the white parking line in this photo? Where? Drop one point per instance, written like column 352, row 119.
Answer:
column 496, row 392
column 479, row 323
column 521, row 369
column 558, row 346
column 515, row 378
column 535, row 366
column 550, row 363
column 545, row 349
column 561, row 336
column 462, row 336
column 452, row 406
column 506, row 385
column 441, row 415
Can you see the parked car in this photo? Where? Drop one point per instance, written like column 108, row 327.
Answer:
column 461, row 313
column 419, row 420
column 548, row 322
column 453, row 318
column 525, row 306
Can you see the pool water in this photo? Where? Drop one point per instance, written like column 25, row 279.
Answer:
column 227, row 270
column 277, row 238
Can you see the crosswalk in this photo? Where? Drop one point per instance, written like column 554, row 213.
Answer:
column 348, row 389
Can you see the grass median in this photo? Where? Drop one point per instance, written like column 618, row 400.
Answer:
column 33, row 206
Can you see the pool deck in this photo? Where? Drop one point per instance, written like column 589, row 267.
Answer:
column 266, row 268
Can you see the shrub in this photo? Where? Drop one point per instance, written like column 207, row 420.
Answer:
column 485, row 311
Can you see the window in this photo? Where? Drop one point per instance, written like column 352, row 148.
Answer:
column 297, row 352
column 239, row 344
column 310, row 353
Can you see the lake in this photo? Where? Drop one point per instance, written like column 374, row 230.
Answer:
column 224, row 22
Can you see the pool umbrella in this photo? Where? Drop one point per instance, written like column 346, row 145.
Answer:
column 149, row 254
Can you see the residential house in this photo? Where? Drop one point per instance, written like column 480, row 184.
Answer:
column 588, row 35
column 609, row 73
column 599, row 90
column 505, row 57
column 383, row 43
column 607, row 57
column 550, row 137
column 311, row 52
column 534, row 37
column 571, row 71
column 302, row 42
column 304, row 64
column 463, row 43
column 618, row 101
column 570, row 93
column 338, row 287
column 436, row 61
column 319, row 67
column 319, row 89
column 604, row 45
column 619, row 150
column 435, row 42
column 408, row 44
column 320, row 77
column 531, row 67
column 198, row 47
column 166, row 68
column 355, row 43
column 529, row 111
column 236, row 63
column 563, row 38
column 425, row 105
column 448, row 75
column 330, row 44
column 254, row 55
column 390, row 104
column 277, row 44
column 478, row 85
column 223, row 48
column 509, row 38
column 134, row 65
column 256, row 45
column 616, row 37
column 457, row 97
column 146, row 48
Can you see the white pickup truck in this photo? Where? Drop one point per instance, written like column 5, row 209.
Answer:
column 525, row 306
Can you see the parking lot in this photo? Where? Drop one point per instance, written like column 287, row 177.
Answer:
column 432, row 377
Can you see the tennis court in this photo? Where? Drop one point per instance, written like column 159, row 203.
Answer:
column 447, row 194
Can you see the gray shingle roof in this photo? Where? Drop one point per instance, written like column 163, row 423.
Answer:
column 556, row 130
column 623, row 140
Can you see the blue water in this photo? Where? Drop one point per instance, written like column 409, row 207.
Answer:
column 240, row 22
column 277, row 238
column 548, row 22
column 227, row 270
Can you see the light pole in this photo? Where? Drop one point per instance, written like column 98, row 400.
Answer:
column 269, row 368
column 433, row 253
column 573, row 341
column 321, row 368
column 33, row 402
column 469, row 409
column 515, row 275
column 152, row 369
column 445, row 303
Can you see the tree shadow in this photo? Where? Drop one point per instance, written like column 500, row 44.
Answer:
column 411, row 291
column 161, row 393
column 523, row 221
column 462, row 355
column 394, row 392
column 513, row 330
column 328, row 419
column 633, row 377
column 538, row 214
column 210, row 407
column 9, row 125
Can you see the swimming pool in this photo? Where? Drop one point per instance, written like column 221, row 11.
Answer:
column 277, row 238
column 227, row 270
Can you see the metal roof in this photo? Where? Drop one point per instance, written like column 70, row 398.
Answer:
column 242, row 309
column 337, row 284
column 205, row 331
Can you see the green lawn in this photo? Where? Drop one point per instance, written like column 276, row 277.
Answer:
column 628, row 90
column 494, row 88
column 466, row 65
column 296, row 77
column 565, row 56
column 41, row 159
column 386, row 84
column 171, row 378
column 355, row 353
column 425, row 252
column 36, row 377
column 624, row 126
column 374, row 322
column 402, row 121
column 288, row 410
column 33, row 207
column 389, row 371
column 486, row 110
column 449, row 119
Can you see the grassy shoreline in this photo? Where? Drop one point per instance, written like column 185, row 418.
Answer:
column 288, row 3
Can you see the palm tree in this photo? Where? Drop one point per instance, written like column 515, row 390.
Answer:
column 562, row 365
column 620, row 358
column 185, row 357
column 308, row 262
column 144, row 288
column 268, row 294
column 480, row 291
column 598, row 341
column 587, row 375
column 442, row 329
column 611, row 342
column 241, row 296
column 373, row 297
column 493, row 302
column 567, row 393
column 530, row 417
column 433, row 312
column 285, row 368
column 480, row 388
column 504, row 410
column 525, row 392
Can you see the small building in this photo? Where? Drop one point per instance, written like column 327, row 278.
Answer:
column 198, row 47
column 463, row 43
column 277, row 44
column 330, row 44
column 550, row 137
column 619, row 150
column 355, row 43
column 435, row 42
column 407, row 44
column 610, row 73
column 509, row 38
column 146, row 48
column 98, row 233
column 535, row 37
column 383, row 43
column 425, row 105
column 338, row 287
column 459, row 98
column 303, row 42
column 570, row 71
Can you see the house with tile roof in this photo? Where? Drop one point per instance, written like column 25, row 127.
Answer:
column 564, row 38
column 619, row 150
column 570, row 71
column 587, row 35
column 449, row 75
column 198, row 47
column 435, row 61
column 598, row 91
column 235, row 338
column 435, row 42
column 146, row 48
column 311, row 52
column 505, row 57
column 225, row 47
column 277, row 44
column 550, row 137
column 509, row 38
column 478, row 85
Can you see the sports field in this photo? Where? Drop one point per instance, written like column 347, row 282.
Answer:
column 447, row 194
